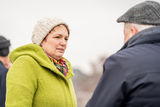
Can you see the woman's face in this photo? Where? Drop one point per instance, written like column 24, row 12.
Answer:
column 56, row 41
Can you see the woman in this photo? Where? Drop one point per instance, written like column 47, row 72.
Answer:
column 40, row 76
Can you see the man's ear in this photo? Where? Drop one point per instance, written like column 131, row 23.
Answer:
column 133, row 30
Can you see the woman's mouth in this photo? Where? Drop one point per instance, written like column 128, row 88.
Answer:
column 61, row 50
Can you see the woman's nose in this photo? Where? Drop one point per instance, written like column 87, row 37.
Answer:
column 63, row 42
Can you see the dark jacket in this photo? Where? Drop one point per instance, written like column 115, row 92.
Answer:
column 131, row 77
column 3, row 73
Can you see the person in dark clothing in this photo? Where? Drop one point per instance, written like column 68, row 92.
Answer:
column 4, row 66
column 131, row 76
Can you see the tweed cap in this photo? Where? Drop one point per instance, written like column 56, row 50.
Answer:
column 43, row 27
column 147, row 12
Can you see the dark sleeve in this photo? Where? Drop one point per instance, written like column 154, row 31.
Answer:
column 3, row 74
column 0, row 87
column 111, row 87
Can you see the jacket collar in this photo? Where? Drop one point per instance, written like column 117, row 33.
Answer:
column 150, row 35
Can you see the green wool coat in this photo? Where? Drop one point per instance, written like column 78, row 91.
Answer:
column 34, row 81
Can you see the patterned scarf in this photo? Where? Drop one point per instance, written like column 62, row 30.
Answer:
column 61, row 65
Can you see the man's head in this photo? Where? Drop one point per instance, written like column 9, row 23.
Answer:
column 4, row 51
column 141, row 16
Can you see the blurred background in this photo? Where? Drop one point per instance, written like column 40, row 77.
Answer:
column 95, row 35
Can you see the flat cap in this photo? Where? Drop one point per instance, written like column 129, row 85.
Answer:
column 147, row 12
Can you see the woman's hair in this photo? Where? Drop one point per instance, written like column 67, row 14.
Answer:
column 54, row 27
column 66, row 26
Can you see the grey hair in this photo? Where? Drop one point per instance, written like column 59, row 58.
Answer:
column 139, row 27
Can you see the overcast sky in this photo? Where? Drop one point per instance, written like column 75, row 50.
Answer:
column 94, row 31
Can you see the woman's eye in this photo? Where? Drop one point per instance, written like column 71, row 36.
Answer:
column 66, row 39
column 57, row 37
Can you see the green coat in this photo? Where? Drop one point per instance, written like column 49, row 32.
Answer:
column 34, row 81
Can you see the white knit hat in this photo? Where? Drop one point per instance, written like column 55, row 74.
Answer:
column 43, row 27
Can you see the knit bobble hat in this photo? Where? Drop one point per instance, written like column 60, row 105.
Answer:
column 43, row 27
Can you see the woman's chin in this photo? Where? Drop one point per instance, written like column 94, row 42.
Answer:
column 59, row 56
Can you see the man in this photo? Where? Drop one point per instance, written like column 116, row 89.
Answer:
column 4, row 66
column 131, row 77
